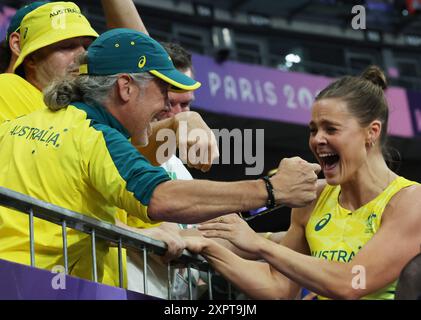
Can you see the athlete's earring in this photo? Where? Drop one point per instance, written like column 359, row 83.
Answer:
column 370, row 144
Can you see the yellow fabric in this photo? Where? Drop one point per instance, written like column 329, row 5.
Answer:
column 337, row 234
column 51, row 23
column 83, row 69
column 138, row 223
column 59, row 158
column 18, row 97
column 111, row 273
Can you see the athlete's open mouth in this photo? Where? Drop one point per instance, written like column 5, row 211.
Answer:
column 329, row 160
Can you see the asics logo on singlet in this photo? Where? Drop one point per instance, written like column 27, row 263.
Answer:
column 322, row 223
column 371, row 218
column 371, row 223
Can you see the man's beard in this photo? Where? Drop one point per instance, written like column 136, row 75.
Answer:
column 72, row 70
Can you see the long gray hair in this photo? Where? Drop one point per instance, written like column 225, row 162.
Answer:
column 86, row 88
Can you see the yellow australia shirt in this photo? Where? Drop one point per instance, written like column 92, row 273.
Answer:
column 78, row 158
column 337, row 234
column 18, row 97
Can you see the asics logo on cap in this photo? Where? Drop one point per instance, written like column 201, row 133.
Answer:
column 142, row 62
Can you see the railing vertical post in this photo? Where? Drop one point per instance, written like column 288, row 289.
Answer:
column 190, row 278
column 120, row 263
column 169, row 280
column 94, row 270
column 210, row 284
column 31, row 236
column 145, row 270
column 64, row 235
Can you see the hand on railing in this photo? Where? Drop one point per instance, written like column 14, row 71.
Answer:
column 165, row 232
column 148, row 240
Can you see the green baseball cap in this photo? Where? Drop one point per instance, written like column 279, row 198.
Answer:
column 129, row 51
column 14, row 25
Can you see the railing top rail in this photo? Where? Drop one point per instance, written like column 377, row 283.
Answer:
column 83, row 223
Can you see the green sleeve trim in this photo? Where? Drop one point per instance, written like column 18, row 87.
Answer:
column 141, row 177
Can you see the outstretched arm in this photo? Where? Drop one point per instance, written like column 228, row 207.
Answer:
column 194, row 201
column 194, row 232
column 166, row 232
column 122, row 14
column 379, row 262
column 258, row 280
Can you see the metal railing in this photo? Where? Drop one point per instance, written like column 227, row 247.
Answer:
column 99, row 230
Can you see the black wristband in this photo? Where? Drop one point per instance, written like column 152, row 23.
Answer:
column 270, row 203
